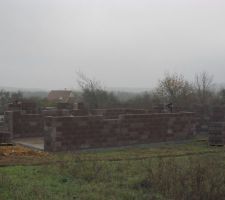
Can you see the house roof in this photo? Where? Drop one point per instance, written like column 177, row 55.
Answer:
column 59, row 95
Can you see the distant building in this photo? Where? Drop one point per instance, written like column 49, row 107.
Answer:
column 65, row 96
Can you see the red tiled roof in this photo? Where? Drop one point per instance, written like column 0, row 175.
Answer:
column 59, row 95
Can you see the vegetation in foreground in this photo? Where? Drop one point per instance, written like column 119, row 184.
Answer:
column 173, row 172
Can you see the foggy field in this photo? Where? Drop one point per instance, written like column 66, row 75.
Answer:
column 160, row 171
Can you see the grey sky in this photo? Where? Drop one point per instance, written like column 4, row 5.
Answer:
column 127, row 43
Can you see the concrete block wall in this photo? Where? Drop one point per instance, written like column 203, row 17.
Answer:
column 218, row 114
column 24, row 125
column 5, row 136
column 28, row 107
column 114, row 113
column 64, row 112
column 217, row 126
column 203, row 117
column 160, row 127
column 56, row 112
column 205, row 114
column 67, row 133
column 71, row 133
column 79, row 112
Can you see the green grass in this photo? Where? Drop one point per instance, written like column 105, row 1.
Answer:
column 191, row 170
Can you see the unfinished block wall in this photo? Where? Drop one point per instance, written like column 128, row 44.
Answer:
column 5, row 136
column 218, row 114
column 24, row 125
column 114, row 113
column 71, row 133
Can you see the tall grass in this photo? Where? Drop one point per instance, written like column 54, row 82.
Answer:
column 192, row 179
column 187, row 178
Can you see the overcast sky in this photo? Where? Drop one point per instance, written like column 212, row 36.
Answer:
column 123, row 43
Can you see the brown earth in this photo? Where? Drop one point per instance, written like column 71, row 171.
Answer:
column 11, row 155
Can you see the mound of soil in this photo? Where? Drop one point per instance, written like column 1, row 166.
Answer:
column 20, row 151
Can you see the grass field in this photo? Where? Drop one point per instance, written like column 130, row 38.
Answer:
column 190, row 170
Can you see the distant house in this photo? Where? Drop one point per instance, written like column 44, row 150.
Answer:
column 65, row 96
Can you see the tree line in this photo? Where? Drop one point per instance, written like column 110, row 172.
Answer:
column 172, row 88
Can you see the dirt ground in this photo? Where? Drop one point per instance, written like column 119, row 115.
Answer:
column 11, row 155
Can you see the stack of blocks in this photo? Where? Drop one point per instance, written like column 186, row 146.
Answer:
column 217, row 133
column 217, row 126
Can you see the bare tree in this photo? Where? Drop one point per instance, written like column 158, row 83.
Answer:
column 93, row 94
column 175, row 89
column 87, row 83
column 203, row 87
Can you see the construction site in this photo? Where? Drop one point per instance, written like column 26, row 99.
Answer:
column 69, row 127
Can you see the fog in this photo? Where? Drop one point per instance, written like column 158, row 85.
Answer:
column 123, row 43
